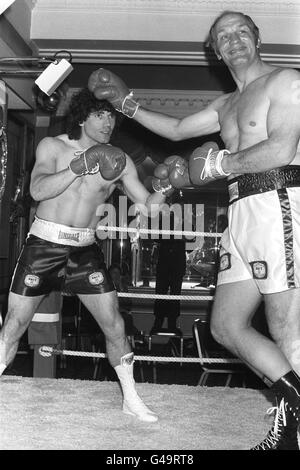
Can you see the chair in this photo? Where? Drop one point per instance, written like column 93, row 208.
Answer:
column 162, row 336
column 208, row 348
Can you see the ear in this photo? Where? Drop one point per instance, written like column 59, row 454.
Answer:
column 219, row 57
column 258, row 44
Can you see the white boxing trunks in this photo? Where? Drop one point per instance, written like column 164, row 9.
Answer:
column 262, row 241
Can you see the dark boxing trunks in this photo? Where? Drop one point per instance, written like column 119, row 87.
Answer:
column 44, row 266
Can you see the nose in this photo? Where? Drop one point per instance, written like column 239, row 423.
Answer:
column 234, row 37
column 107, row 123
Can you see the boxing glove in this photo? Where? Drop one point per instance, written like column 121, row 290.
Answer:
column 173, row 173
column 107, row 86
column 178, row 172
column 205, row 164
column 108, row 160
column 161, row 182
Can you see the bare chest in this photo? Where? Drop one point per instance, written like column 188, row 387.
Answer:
column 92, row 187
column 243, row 119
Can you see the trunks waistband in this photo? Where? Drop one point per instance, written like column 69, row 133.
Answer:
column 62, row 234
column 255, row 183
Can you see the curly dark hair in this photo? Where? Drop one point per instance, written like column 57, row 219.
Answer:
column 82, row 104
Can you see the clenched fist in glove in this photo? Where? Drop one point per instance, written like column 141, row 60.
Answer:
column 108, row 160
column 107, row 86
column 173, row 173
column 205, row 164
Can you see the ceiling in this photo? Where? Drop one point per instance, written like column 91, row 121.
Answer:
column 156, row 42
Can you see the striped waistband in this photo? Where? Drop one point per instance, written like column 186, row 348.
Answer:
column 255, row 183
column 62, row 234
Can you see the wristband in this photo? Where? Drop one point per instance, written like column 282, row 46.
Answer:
column 219, row 159
column 158, row 188
column 129, row 106
column 213, row 165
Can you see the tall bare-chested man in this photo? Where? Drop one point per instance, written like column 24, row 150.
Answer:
column 260, row 250
column 74, row 174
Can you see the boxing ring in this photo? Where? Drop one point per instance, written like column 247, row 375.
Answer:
column 64, row 414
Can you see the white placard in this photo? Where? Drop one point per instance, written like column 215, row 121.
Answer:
column 53, row 76
column 4, row 4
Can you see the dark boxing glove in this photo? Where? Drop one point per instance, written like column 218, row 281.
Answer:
column 178, row 172
column 205, row 164
column 107, row 86
column 108, row 160
column 171, row 174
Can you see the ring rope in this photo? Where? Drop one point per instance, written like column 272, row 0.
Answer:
column 47, row 351
column 164, row 296
column 187, row 233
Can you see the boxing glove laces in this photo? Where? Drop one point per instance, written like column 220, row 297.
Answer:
column 205, row 163
column 110, row 161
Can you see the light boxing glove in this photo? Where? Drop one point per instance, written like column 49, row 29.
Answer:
column 205, row 164
column 107, row 86
column 171, row 174
column 108, row 160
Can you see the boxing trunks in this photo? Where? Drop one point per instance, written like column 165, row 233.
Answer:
column 58, row 257
column 262, row 240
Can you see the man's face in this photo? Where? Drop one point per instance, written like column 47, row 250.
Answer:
column 235, row 40
column 99, row 126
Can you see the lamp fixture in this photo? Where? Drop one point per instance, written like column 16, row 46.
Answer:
column 35, row 66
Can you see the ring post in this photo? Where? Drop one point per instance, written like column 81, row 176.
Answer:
column 45, row 329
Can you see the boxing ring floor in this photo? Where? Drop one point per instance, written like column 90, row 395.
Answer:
column 65, row 414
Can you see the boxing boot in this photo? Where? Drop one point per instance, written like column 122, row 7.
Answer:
column 132, row 403
column 284, row 433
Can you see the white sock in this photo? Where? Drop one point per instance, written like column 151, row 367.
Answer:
column 132, row 403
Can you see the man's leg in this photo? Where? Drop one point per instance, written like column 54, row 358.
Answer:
column 283, row 318
column 233, row 310
column 104, row 308
column 282, row 312
column 174, row 305
column 19, row 315
column 161, row 287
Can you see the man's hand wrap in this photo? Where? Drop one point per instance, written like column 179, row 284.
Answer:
column 107, row 86
column 173, row 173
column 205, row 164
column 108, row 160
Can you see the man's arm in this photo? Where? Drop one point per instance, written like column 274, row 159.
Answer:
column 137, row 192
column 46, row 183
column 283, row 128
column 204, row 122
column 107, row 85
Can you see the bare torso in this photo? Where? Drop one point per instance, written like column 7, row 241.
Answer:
column 77, row 205
column 243, row 116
